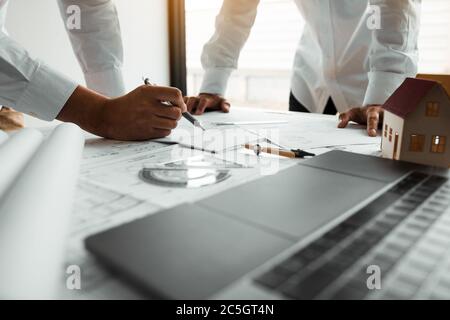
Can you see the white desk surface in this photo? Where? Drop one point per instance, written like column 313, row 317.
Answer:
column 111, row 193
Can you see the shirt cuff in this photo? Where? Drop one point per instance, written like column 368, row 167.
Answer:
column 215, row 81
column 381, row 86
column 108, row 82
column 46, row 94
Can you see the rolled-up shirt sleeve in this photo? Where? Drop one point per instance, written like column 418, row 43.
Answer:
column 30, row 86
column 394, row 51
column 221, row 53
column 97, row 44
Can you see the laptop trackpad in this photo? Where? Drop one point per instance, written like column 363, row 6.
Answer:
column 187, row 252
column 296, row 201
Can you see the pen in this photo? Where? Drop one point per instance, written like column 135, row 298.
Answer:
column 186, row 115
column 187, row 146
column 280, row 152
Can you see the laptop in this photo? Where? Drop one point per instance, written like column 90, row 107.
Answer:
column 338, row 226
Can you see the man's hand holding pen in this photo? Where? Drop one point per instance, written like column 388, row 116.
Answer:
column 141, row 114
column 186, row 114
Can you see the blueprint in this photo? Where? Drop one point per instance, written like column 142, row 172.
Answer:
column 110, row 191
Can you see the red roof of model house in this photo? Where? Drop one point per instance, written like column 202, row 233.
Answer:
column 408, row 96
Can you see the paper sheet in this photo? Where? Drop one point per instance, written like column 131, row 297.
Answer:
column 302, row 130
column 123, row 175
column 98, row 150
column 98, row 208
column 237, row 114
column 213, row 140
column 311, row 131
column 218, row 139
column 14, row 155
column 34, row 217
column 110, row 191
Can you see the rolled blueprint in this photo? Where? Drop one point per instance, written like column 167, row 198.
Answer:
column 15, row 154
column 34, row 217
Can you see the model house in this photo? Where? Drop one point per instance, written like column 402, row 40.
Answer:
column 416, row 124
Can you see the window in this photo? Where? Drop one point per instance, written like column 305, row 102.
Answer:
column 416, row 143
column 438, row 144
column 432, row 109
column 390, row 134
column 434, row 38
column 263, row 77
column 385, row 130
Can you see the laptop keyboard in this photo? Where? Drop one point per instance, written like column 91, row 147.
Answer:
column 397, row 233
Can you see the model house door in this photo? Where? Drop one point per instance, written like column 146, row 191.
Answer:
column 396, row 146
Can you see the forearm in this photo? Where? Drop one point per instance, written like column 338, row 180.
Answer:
column 221, row 53
column 29, row 85
column 394, row 52
column 98, row 45
column 84, row 108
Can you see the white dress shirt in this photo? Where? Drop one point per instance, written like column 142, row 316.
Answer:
column 30, row 86
column 338, row 56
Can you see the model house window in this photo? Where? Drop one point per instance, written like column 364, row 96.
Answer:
column 390, row 134
column 432, row 109
column 438, row 144
column 385, row 130
column 417, row 143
